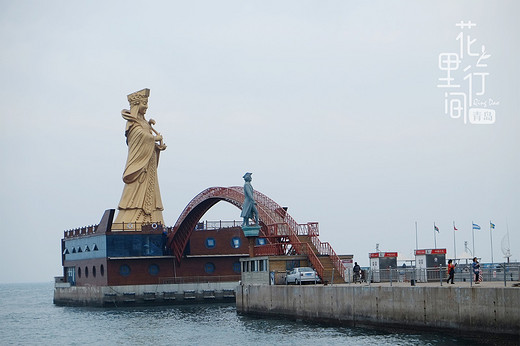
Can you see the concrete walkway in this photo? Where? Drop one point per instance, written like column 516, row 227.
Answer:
column 483, row 284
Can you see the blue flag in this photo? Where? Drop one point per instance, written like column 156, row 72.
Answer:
column 491, row 225
column 475, row 226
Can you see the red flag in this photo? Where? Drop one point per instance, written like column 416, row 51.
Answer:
column 454, row 228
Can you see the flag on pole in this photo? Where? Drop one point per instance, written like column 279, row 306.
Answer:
column 454, row 228
column 435, row 228
column 491, row 225
column 475, row 226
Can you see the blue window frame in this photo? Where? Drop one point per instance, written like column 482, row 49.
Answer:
column 209, row 268
column 260, row 241
column 124, row 270
column 236, row 267
column 236, row 242
column 210, row 242
column 153, row 269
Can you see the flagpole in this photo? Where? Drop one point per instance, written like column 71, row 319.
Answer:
column 434, row 236
column 454, row 246
column 491, row 238
column 416, row 243
column 508, row 244
column 473, row 234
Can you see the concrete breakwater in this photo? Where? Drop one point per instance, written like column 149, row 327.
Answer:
column 462, row 309
column 163, row 294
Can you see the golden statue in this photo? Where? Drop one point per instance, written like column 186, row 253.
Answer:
column 141, row 199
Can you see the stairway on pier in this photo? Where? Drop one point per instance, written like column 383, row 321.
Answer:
column 328, row 267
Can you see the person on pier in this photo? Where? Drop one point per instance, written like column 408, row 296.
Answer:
column 476, row 270
column 451, row 271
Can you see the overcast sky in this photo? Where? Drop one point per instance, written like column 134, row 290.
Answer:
column 333, row 105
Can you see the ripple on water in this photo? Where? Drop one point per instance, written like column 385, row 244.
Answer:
column 28, row 317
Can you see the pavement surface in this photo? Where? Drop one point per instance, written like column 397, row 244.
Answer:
column 483, row 284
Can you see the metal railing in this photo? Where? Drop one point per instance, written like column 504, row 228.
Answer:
column 310, row 229
column 213, row 225
column 277, row 249
column 327, row 250
column 306, row 249
column 463, row 274
column 80, row 231
column 270, row 213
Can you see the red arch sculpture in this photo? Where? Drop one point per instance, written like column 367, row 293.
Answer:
column 274, row 219
column 269, row 212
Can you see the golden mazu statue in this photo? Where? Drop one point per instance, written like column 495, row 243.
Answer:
column 141, row 199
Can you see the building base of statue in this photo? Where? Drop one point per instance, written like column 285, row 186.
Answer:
column 251, row 230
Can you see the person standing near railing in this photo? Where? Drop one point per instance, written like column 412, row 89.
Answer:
column 476, row 270
column 451, row 271
column 357, row 272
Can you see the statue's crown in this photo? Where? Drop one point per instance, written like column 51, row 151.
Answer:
column 136, row 97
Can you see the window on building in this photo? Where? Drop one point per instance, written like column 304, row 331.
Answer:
column 210, row 243
column 261, row 266
column 71, row 275
column 253, row 266
column 79, row 272
column 94, row 247
column 102, row 270
column 124, row 270
column 86, row 272
column 209, row 268
column 153, row 269
column 236, row 267
column 260, row 241
column 87, row 248
column 235, row 242
column 94, row 271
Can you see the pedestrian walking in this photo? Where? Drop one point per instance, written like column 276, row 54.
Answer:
column 451, row 271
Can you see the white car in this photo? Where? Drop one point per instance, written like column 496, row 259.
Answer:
column 301, row 275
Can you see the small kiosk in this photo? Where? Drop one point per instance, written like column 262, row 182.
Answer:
column 380, row 263
column 428, row 263
column 348, row 262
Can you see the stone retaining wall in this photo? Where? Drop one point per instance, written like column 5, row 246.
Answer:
column 144, row 294
column 466, row 309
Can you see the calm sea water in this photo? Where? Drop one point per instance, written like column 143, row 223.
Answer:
column 28, row 317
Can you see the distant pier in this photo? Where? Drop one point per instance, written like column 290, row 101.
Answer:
column 485, row 308
column 134, row 295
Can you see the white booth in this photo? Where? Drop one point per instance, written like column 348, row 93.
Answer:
column 380, row 263
column 428, row 263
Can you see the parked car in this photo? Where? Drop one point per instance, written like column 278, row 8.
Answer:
column 301, row 275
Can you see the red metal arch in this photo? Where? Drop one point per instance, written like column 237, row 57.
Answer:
column 275, row 221
column 269, row 213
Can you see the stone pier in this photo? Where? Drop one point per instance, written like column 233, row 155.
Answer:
column 460, row 308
